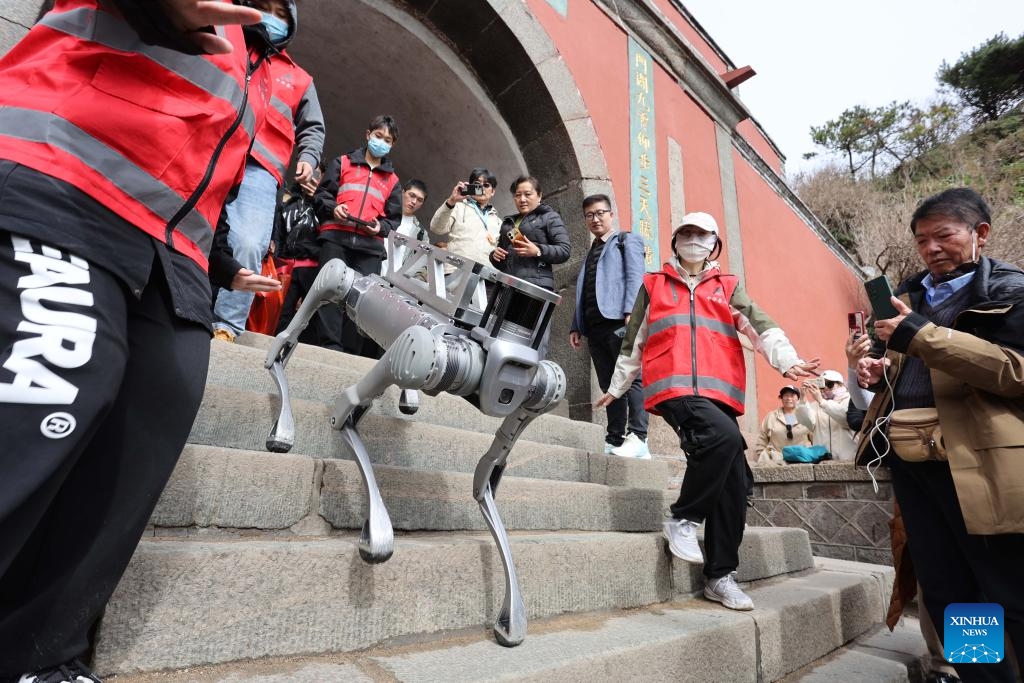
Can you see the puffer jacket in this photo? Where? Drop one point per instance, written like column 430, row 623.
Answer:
column 544, row 227
column 977, row 373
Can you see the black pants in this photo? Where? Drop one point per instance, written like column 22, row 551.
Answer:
column 627, row 410
column 954, row 566
column 98, row 392
column 335, row 330
column 717, row 479
column 302, row 280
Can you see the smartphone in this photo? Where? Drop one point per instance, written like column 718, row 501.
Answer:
column 856, row 323
column 879, row 292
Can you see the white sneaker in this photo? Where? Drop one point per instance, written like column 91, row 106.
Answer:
column 725, row 591
column 609, row 448
column 681, row 535
column 633, row 447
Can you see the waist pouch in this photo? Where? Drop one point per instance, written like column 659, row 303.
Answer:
column 915, row 435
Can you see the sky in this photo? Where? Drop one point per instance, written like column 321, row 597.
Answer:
column 815, row 59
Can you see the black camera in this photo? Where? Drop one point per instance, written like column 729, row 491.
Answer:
column 472, row 189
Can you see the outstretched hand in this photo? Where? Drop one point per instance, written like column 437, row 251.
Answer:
column 248, row 281
column 193, row 17
column 803, row 369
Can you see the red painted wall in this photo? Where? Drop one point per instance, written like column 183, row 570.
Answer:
column 789, row 271
column 794, row 277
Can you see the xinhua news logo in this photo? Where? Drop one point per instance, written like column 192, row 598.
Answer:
column 973, row 633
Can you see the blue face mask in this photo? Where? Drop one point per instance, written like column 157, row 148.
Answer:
column 277, row 30
column 378, row 147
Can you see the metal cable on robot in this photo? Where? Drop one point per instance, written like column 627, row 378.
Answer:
column 442, row 334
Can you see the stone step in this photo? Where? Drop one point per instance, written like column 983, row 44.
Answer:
column 877, row 655
column 320, row 375
column 228, row 488
column 241, row 418
column 796, row 620
column 185, row 603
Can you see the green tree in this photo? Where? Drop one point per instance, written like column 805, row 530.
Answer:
column 864, row 136
column 989, row 78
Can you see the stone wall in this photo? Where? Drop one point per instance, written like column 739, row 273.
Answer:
column 835, row 503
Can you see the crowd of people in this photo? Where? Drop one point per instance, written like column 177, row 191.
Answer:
column 116, row 232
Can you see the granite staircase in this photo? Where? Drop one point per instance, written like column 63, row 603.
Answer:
column 251, row 569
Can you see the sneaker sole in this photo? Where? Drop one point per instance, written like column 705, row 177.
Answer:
column 692, row 559
column 713, row 597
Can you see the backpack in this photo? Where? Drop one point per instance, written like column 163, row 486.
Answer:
column 301, row 227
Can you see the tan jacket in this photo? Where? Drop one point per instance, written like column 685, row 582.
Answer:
column 771, row 439
column 978, row 387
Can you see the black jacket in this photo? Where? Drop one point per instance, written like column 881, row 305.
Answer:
column 544, row 227
column 325, row 199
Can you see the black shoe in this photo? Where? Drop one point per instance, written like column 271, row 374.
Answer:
column 68, row 672
column 941, row 677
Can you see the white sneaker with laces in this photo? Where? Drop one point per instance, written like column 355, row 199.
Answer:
column 633, row 447
column 681, row 535
column 725, row 591
column 69, row 672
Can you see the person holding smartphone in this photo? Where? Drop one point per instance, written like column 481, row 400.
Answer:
column 694, row 375
column 955, row 349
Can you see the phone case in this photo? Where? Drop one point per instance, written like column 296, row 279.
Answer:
column 879, row 292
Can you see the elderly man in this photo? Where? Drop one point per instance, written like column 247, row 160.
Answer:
column 956, row 350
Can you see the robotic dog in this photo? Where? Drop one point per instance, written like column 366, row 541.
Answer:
column 441, row 334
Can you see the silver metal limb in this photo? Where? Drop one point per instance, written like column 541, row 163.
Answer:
column 442, row 334
column 332, row 285
column 377, row 538
column 546, row 391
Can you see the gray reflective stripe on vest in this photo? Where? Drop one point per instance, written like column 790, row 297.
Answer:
column 49, row 129
column 662, row 324
column 281, row 106
column 686, row 382
column 361, row 187
column 259, row 148
column 109, row 31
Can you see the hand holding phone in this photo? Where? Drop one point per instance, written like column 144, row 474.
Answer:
column 879, row 292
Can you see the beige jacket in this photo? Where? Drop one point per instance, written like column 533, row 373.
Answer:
column 468, row 233
column 978, row 387
column 772, row 438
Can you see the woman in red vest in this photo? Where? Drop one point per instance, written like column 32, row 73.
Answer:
column 683, row 334
column 123, row 126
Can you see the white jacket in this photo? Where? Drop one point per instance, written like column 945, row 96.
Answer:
column 827, row 421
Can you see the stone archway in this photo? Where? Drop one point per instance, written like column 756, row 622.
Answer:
column 470, row 84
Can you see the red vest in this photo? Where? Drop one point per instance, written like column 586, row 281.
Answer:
column 275, row 139
column 692, row 348
column 136, row 127
column 365, row 192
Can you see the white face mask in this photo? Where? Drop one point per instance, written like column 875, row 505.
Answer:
column 695, row 249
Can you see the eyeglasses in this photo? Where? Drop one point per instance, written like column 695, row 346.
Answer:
column 830, row 385
column 789, row 431
column 591, row 215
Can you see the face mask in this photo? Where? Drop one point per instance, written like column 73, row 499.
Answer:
column 378, row 147
column 696, row 249
column 277, row 30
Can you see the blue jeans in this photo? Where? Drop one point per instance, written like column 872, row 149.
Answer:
column 251, row 217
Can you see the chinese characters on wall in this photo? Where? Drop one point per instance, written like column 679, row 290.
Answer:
column 642, row 152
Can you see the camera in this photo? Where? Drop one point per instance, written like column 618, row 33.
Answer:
column 472, row 189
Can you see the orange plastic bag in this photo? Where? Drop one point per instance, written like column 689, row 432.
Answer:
column 266, row 306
